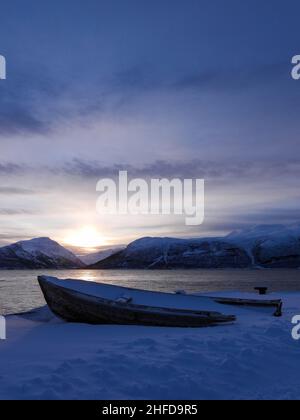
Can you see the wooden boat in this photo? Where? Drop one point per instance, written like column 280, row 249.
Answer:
column 95, row 303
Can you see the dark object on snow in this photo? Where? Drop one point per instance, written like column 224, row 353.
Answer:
column 278, row 312
column 67, row 301
column 277, row 304
column 261, row 290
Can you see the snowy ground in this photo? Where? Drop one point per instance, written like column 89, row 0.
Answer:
column 45, row 358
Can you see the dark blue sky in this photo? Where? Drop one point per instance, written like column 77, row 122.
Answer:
column 165, row 88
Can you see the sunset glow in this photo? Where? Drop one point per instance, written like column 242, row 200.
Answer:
column 86, row 237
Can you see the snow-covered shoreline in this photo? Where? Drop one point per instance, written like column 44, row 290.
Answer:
column 45, row 358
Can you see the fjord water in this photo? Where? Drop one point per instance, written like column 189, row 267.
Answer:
column 19, row 289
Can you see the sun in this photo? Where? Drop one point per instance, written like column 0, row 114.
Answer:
column 85, row 237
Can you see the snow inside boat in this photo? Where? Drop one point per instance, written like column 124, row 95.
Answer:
column 97, row 303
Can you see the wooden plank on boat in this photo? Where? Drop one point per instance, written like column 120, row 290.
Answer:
column 262, row 303
column 277, row 304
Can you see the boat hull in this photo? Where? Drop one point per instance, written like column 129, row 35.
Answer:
column 75, row 306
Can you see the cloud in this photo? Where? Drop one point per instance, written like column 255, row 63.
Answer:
column 10, row 168
column 185, row 169
column 16, row 191
column 9, row 238
column 219, row 170
column 143, row 78
column 31, row 102
column 26, row 101
column 137, row 77
column 273, row 215
column 233, row 78
column 15, row 212
column 14, row 119
column 91, row 169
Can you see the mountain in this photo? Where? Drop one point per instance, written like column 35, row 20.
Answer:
column 99, row 256
column 264, row 246
column 37, row 253
column 163, row 253
column 270, row 246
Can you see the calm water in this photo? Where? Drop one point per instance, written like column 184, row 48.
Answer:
column 19, row 290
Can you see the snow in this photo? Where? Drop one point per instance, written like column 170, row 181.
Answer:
column 47, row 247
column 271, row 242
column 164, row 243
column 39, row 251
column 158, row 253
column 270, row 234
column 256, row 358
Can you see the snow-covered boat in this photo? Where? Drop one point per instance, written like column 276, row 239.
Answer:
column 97, row 303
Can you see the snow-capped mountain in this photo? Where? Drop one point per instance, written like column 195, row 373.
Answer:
column 270, row 245
column 99, row 256
column 162, row 253
column 266, row 246
column 37, row 253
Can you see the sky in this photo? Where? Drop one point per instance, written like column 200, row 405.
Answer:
column 161, row 88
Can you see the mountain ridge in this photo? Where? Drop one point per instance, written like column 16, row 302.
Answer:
column 37, row 253
column 261, row 246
